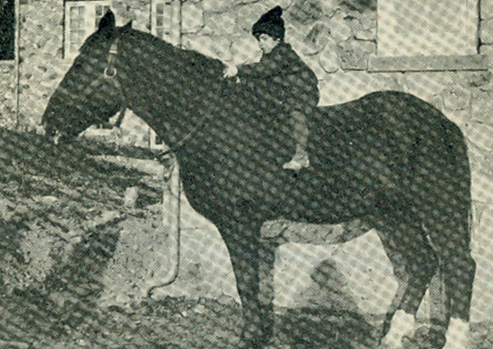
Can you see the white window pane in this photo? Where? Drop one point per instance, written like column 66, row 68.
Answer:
column 76, row 12
column 427, row 27
column 99, row 10
column 82, row 11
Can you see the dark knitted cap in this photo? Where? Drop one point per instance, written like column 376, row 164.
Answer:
column 271, row 23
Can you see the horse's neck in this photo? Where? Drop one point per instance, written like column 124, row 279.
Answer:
column 168, row 87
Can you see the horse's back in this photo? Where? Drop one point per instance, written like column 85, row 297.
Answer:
column 385, row 139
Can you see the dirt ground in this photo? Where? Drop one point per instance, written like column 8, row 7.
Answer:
column 59, row 215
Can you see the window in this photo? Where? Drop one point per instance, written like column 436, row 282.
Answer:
column 427, row 35
column 427, row 27
column 7, row 30
column 81, row 20
column 162, row 12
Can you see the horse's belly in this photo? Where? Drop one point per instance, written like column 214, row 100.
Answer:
column 284, row 231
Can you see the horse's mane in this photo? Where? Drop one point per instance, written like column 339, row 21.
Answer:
column 184, row 61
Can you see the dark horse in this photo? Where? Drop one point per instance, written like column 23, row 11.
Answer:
column 389, row 159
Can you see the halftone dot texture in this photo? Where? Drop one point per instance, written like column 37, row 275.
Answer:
column 76, row 263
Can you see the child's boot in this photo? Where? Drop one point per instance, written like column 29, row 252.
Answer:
column 300, row 160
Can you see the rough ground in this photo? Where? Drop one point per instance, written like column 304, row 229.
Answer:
column 59, row 227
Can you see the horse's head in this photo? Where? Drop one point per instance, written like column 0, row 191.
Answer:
column 89, row 93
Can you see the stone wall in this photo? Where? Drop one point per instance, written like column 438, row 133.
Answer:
column 336, row 39
column 7, row 94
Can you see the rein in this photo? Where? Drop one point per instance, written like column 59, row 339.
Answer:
column 178, row 145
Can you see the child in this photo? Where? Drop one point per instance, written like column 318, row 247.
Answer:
column 285, row 72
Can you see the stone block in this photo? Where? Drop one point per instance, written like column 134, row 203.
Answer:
column 428, row 85
column 220, row 24
column 245, row 50
column 316, row 40
column 306, row 11
column 248, row 15
column 480, row 134
column 216, row 5
column 364, row 26
column 482, row 173
column 480, row 79
column 328, row 59
column 341, row 87
column 295, row 35
column 488, row 51
column 456, row 98
column 459, row 117
column 486, row 10
column 339, row 27
column 245, row 2
column 222, row 46
column 482, row 105
column 482, row 250
column 354, row 54
column 486, row 31
column 193, row 18
column 330, row 7
column 285, row 4
column 314, row 64
column 360, row 5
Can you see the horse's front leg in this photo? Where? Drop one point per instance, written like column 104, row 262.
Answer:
column 251, row 259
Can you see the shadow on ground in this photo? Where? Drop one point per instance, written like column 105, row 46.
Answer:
column 59, row 210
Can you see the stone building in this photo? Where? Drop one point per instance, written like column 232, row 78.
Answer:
column 438, row 51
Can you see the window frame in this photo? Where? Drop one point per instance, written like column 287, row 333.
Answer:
column 161, row 30
column 90, row 22
column 409, row 63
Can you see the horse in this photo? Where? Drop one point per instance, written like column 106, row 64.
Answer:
column 388, row 159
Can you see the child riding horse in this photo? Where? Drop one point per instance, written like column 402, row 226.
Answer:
column 292, row 82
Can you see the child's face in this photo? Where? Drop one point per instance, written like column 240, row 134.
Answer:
column 267, row 43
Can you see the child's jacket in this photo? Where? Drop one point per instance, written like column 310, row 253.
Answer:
column 286, row 77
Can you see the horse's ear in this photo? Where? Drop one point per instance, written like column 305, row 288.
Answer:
column 126, row 27
column 108, row 21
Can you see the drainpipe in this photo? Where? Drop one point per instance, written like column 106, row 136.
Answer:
column 172, row 190
column 171, row 222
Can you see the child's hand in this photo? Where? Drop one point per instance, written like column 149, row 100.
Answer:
column 230, row 71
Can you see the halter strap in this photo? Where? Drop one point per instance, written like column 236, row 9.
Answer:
column 110, row 70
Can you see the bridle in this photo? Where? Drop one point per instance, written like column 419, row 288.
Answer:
column 111, row 73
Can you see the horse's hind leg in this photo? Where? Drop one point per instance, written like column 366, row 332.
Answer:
column 414, row 265
column 458, row 268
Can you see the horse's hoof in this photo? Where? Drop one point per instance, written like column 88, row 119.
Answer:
column 402, row 325
column 458, row 334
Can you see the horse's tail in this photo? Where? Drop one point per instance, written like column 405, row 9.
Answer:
column 444, row 177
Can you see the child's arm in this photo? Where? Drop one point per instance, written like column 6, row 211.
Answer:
column 230, row 71
column 260, row 69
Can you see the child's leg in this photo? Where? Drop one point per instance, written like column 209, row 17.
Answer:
column 300, row 133
column 300, row 128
